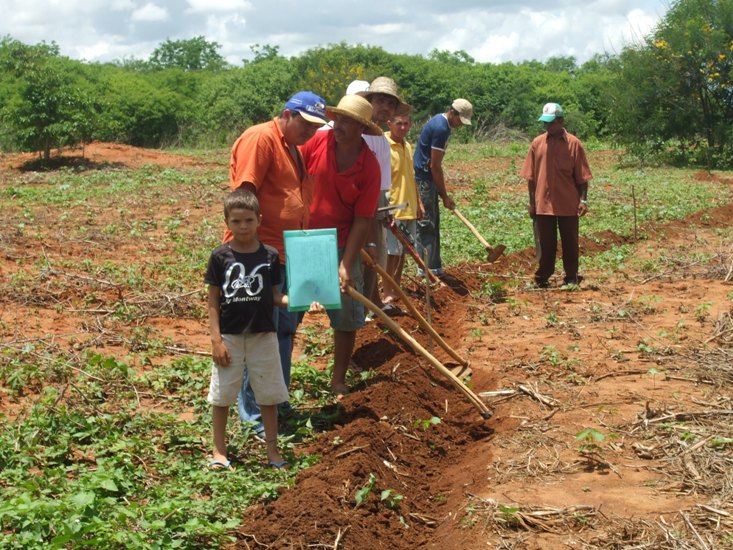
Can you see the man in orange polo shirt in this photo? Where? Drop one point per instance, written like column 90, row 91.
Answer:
column 557, row 174
column 265, row 160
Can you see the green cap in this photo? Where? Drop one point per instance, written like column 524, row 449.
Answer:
column 550, row 112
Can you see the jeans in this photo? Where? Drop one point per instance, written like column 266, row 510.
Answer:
column 287, row 324
column 428, row 228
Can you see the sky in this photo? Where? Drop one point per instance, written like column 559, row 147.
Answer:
column 489, row 31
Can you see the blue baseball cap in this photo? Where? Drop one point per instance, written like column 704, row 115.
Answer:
column 309, row 105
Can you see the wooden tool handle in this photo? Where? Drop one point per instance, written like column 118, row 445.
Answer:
column 473, row 230
column 367, row 259
column 415, row 256
column 472, row 397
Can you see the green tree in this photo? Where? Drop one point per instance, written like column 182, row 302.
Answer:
column 679, row 83
column 453, row 58
column 328, row 70
column 238, row 98
column 263, row 53
column 563, row 64
column 138, row 112
column 134, row 64
column 194, row 54
column 51, row 104
column 593, row 85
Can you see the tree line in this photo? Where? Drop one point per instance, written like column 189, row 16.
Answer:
column 669, row 96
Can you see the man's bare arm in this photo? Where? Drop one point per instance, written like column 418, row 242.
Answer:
column 436, row 168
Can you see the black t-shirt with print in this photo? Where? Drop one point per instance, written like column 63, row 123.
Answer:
column 245, row 281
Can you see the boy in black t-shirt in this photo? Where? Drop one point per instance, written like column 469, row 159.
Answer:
column 242, row 276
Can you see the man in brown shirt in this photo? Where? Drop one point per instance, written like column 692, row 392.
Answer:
column 557, row 174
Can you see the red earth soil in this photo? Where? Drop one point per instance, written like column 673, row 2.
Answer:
column 447, row 472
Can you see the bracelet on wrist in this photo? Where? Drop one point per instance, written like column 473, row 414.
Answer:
column 370, row 245
column 583, row 201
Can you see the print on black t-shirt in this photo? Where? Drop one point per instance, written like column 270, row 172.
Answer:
column 245, row 281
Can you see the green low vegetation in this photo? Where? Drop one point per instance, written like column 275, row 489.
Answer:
column 496, row 203
column 102, row 454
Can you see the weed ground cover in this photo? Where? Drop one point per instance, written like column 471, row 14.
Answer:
column 612, row 402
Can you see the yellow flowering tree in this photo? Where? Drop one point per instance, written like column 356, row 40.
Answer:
column 678, row 85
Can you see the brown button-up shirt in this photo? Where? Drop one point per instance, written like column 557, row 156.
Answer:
column 558, row 165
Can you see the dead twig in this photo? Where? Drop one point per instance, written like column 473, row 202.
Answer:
column 338, row 537
column 693, row 380
column 681, row 416
column 83, row 278
column 714, row 510
column 719, row 334
column 422, row 518
column 352, row 450
column 497, row 393
column 694, row 531
column 535, row 394
column 620, row 373
column 697, row 445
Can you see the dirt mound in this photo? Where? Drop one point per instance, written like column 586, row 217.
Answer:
column 383, row 431
column 97, row 155
column 386, row 428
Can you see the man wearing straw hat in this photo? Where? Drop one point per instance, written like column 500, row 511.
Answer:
column 265, row 160
column 428, row 164
column 386, row 101
column 347, row 181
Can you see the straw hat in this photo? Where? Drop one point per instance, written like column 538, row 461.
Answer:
column 387, row 86
column 358, row 109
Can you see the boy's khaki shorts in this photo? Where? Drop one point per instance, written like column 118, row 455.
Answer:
column 258, row 353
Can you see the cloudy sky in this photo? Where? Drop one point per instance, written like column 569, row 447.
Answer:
column 490, row 31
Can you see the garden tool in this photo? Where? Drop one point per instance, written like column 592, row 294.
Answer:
column 391, row 208
column 493, row 252
column 472, row 397
column 367, row 259
column 408, row 243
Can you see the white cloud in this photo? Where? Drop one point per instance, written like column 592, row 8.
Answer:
column 227, row 31
column 218, row 6
column 386, row 29
column 149, row 13
column 639, row 24
column 498, row 47
column 122, row 5
column 503, row 30
column 95, row 51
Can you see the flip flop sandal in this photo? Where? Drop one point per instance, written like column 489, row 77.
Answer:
column 391, row 310
column 220, row 465
column 282, row 465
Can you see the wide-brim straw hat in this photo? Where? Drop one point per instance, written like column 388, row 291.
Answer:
column 358, row 109
column 387, row 86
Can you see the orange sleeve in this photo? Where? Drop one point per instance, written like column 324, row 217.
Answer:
column 252, row 155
